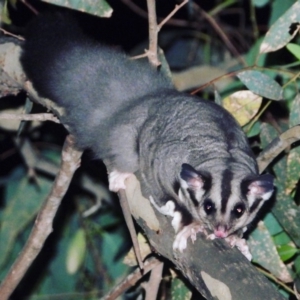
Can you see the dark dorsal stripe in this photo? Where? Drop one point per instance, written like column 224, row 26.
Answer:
column 193, row 197
column 207, row 182
column 227, row 177
column 206, row 187
column 255, row 205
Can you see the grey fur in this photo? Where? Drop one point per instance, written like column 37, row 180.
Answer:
column 131, row 116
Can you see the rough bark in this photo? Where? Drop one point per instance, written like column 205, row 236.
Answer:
column 213, row 268
column 216, row 270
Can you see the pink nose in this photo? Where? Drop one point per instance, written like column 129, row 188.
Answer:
column 220, row 232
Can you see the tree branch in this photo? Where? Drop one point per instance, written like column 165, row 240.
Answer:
column 30, row 117
column 171, row 14
column 43, row 224
column 128, row 219
column 280, row 143
column 174, row 22
column 212, row 267
column 132, row 279
column 153, row 31
column 221, row 33
column 152, row 286
column 216, row 270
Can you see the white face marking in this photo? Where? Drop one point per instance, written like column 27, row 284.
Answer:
column 267, row 196
column 225, row 223
column 168, row 209
column 223, row 207
column 215, row 197
column 234, row 199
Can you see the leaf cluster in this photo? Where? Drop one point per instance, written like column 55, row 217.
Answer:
column 255, row 78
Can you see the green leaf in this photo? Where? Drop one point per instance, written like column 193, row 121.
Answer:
column 243, row 105
column 293, row 170
column 285, row 208
column 279, row 34
column 251, row 56
column 218, row 98
column 297, row 265
column 294, row 49
column 76, row 252
column 254, row 130
column 24, row 199
column 98, row 8
column 179, row 290
column 293, row 158
column 57, row 280
column 260, row 3
column 272, row 224
column 110, row 248
column 295, row 112
column 281, row 239
column 165, row 68
column 264, row 252
column 4, row 13
column 278, row 8
column 261, row 84
column 286, row 252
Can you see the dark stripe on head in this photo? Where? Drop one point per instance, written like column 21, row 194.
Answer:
column 255, row 205
column 176, row 186
column 193, row 197
column 206, row 187
column 227, row 177
column 245, row 185
column 207, row 181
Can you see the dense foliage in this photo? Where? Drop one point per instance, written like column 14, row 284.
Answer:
column 243, row 54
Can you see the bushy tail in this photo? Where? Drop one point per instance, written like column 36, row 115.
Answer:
column 75, row 71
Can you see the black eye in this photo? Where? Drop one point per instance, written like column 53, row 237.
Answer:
column 238, row 210
column 209, row 206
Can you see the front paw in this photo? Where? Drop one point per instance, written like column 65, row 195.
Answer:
column 168, row 209
column 117, row 180
column 190, row 230
column 241, row 244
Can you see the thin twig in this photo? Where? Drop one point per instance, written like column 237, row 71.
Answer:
column 129, row 222
column 280, row 143
column 221, row 33
column 152, row 286
column 276, row 280
column 144, row 14
column 230, row 74
column 253, row 20
column 11, row 34
column 30, row 7
column 171, row 14
column 132, row 279
column 30, row 117
column 139, row 56
column 153, row 31
column 43, row 224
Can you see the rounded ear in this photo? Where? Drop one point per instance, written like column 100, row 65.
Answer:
column 193, row 179
column 261, row 186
